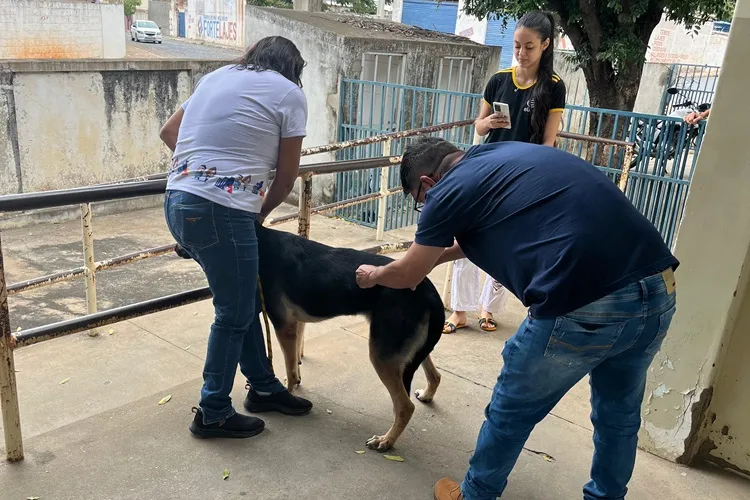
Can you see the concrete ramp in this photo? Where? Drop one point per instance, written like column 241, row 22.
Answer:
column 143, row 450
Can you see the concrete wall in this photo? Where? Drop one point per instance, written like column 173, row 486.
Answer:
column 322, row 51
column 68, row 124
column 216, row 21
column 159, row 12
column 330, row 56
column 698, row 403
column 32, row 29
column 672, row 43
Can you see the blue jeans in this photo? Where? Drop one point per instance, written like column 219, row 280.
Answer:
column 613, row 339
column 223, row 241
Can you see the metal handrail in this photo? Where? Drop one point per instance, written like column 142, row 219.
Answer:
column 156, row 184
column 144, row 186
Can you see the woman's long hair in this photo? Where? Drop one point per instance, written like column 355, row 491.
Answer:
column 544, row 25
column 274, row 53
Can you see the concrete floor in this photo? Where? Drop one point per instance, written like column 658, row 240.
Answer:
column 103, row 434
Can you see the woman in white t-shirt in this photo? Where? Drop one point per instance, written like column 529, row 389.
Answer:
column 243, row 121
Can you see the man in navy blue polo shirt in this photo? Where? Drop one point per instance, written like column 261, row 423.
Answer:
column 595, row 274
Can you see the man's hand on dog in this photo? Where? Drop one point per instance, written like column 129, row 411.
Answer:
column 364, row 276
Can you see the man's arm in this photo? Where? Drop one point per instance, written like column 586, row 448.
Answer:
column 407, row 272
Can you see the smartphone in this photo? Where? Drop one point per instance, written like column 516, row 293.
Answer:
column 502, row 108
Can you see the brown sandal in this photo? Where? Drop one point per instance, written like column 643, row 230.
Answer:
column 449, row 327
column 487, row 324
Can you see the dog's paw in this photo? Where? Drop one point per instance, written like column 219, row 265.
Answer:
column 379, row 443
column 423, row 396
column 292, row 385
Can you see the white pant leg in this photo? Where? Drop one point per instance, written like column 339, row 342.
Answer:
column 465, row 286
column 494, row 296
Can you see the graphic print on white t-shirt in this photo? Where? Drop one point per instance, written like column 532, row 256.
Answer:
column 229, row 136
column 239, row 180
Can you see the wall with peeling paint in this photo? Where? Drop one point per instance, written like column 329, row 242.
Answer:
column 335, row 49
column 216, row 21
column 32, row 29
column 75, row 123
column 698, row 392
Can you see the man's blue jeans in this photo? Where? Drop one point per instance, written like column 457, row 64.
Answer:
column 614, row 340
column 223, row 241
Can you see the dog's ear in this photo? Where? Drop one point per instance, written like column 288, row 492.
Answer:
column 182, row 252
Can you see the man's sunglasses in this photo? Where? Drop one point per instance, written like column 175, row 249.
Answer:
column 418, row 205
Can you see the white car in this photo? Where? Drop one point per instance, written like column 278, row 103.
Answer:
column 145, row 31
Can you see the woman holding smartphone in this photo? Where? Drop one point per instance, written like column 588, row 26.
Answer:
column 534, row 96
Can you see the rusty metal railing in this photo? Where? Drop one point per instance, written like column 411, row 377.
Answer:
column 156, row 184
column 144, row 186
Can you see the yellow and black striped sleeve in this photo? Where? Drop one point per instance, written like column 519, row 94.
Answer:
column 558, row 94
column 495, row 85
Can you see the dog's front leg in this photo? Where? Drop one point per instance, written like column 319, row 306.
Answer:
column 288, row 341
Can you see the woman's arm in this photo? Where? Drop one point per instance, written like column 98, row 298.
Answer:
column 168, row 133
column 287, row 171
column 551, row 128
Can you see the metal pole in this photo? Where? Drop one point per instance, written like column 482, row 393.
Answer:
column 305, row 214
column 383, row 201
column 447, row 286
column 88, row 262
column 623, row 184
column 8, row 388
column 305, row 205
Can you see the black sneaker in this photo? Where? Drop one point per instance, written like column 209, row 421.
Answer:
column 282, row 402
column 236, row 426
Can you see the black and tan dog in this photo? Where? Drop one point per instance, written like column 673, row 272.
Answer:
column 305, row 282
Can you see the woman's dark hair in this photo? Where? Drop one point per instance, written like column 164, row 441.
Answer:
column 274, row 53
column 544, row 25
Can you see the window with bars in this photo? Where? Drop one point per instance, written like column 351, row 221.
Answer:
column 454, row 74
column 382, row 103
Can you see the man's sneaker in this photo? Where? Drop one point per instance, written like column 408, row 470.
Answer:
column 236, row 426
column 282, row 402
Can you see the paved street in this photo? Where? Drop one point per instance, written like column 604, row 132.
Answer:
column 178, row 49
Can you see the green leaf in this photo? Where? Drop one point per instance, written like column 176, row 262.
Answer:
column 65, row 381
column 226, row 474
column 165, row 399
column 393, row 458
column 360, row 452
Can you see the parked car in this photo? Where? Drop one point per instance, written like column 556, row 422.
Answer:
column 145, row 31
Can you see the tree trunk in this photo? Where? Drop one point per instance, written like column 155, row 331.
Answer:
column 611, row 91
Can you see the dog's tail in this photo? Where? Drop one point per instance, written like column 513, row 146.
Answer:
column 435, row 322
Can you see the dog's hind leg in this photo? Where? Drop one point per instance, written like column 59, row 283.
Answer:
column 288, row 341
column 300, row 341
column 391, row 373
column 433, row 381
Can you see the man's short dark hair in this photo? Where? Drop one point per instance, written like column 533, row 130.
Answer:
column 423, row 157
